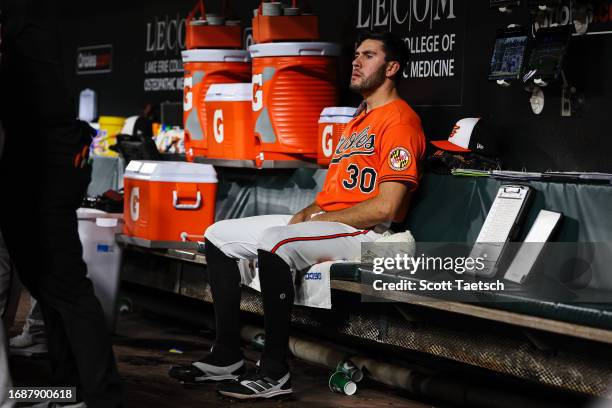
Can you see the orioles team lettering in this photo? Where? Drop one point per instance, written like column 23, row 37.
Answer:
column 360, row 143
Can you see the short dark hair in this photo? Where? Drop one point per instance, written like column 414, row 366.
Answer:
column 394, row 46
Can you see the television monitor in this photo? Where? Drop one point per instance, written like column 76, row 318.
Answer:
column 548, row 51
column 508, row 54
column 504, row 3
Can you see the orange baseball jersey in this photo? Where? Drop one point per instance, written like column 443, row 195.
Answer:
column 384, row 144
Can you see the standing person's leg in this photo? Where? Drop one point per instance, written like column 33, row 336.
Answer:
column 5, row 286
column 33, row 331
column 50, row 263
column 39, row 219
column 5, row 377
column 5, row 276
column 227, row 242
column 36, row 323
column 75, row 323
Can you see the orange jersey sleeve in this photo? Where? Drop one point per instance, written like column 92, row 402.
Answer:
column 401, row 151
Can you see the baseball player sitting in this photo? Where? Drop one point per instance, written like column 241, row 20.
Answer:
column 373, row 172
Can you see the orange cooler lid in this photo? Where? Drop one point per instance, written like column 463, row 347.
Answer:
column 241, row 92
column 178, row 172
column 292, row 49
column 216, row 56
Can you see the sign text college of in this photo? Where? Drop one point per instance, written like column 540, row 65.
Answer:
column 434, row 30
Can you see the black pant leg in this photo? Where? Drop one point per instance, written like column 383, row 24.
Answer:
column 38, row 215
column 42, row 237
column 278, row 295
column 65, row 370
column 81, row 333
column 224, row 279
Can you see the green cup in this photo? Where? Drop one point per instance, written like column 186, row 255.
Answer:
column 339, row 382
column 350, row 369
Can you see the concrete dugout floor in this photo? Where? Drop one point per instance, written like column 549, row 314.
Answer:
column 142, row 346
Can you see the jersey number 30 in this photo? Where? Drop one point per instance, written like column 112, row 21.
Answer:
column 365, row 178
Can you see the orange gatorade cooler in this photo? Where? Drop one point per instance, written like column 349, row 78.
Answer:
column 211, row 31
column 230, row 122
column 292, row 83
column 285, row 28
column 332, row 122
column 203, row 68
column 198, row 34
column 168, row 201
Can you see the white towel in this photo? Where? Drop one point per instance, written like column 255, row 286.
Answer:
column 313, row 286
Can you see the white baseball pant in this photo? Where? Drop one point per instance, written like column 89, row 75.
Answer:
column 300, row 245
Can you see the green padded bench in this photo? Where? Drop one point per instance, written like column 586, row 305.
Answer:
column 453, row 209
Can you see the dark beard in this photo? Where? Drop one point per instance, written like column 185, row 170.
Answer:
column 370, row 83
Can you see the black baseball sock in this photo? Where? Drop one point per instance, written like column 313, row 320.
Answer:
column 224, row 278
column 278, row 293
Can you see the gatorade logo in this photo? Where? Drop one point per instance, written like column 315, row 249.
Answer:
column 188, row 99
column 327, row 141
column 135, row 204
column 257, row 102
column 218, row 125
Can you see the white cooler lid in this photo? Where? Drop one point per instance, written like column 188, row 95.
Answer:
column 93, row 213
column 216, row 56
column 178, row 172
column 337, row 114
column 338, row 111
column 229, row 92
column 290, row 49
column 335, row 119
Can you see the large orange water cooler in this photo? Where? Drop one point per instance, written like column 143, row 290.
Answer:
column 168, row 201
column 292, row 83
column 203, row 68
column 332, row 123
column 230, row 123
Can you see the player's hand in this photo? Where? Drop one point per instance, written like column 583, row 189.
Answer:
column 297, row 218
